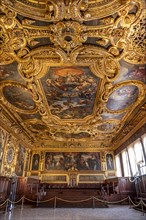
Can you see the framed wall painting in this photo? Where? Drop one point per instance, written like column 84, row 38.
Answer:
column 110, row 161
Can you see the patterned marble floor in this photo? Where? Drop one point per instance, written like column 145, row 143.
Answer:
column 112, row 213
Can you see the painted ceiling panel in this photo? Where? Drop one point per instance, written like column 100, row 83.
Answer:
column 19, row 97
column 72, row 72
column 10, row 72
column 122, row 97
column 131, row 72
column 70, row 91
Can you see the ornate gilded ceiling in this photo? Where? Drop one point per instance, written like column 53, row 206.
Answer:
column 72, row 73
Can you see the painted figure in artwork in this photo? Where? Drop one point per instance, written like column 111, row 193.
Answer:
column 69, row 160
column 35, row 162
column 20, row 161
column 94, row 162
column 82, row 164
column 75, row 89
column 109, row 162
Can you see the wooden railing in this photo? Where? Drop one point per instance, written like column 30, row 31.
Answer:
column 111, row 189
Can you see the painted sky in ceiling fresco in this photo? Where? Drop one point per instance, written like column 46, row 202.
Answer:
column 10, row 72
column 70, row 91
column 19, row 97
column 122, row 97
column 131, row 72
column 106, row 127
column 110, row 116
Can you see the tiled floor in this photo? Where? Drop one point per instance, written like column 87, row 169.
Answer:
column 112, row 213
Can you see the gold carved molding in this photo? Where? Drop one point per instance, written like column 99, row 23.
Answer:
column 118, row 33
column 68, row 27
column 52, row 11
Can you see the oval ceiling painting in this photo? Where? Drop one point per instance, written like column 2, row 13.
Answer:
column 122, row 98
column 19, row 97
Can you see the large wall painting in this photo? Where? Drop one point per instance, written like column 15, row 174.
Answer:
column 70, row 91
column 79, row 161
column 10, row 154
column 20, row 161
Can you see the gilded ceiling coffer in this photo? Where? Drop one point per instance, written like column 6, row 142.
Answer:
column 68, row 73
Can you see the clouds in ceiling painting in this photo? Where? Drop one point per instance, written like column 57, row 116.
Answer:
column 70, row 91
column 19, row 97
column 131, row 72
column 126, row 95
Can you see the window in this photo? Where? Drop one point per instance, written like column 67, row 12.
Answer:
column 138, row 152
column 140, row 161
column 118, row 166
column 125, row 164
column 132, row 159
column 144, row 142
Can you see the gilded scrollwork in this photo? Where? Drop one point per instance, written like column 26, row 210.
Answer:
column 65, row 9
column 107, row 68
column 12, row 36
column 29, row 69
column 135, row 53
column 68, row 35
column 65, row 50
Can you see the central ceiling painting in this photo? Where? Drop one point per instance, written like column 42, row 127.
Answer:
column 70, row 91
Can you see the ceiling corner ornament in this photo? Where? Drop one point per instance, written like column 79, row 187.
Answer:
column 137, row 45
column 68, row 63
